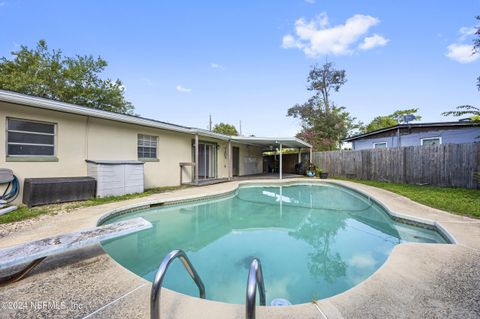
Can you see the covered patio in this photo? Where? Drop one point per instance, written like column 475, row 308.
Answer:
column 277, row 144
column 266, row 144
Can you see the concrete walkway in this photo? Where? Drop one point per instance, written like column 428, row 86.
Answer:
column 417, row 280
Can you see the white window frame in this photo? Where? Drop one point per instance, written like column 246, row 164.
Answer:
column 439, row 138
column 156, row 147
column 7, row 131
column 376, row 143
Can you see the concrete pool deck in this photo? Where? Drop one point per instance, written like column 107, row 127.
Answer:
column 416, row 281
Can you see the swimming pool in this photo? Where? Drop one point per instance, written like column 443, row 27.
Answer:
column 314, row 241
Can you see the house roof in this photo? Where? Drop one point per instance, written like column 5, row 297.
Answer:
column 413, row 125
column 43, row 103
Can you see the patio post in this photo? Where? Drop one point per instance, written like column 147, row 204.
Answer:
column 299, row 154
column 196, row 159
column 311, row 155
column 281, row 160
column 230, row 166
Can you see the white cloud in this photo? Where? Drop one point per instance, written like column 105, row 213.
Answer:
column 372, row 42
column 310, row 1
column 147, row 81
column 316, row 37
column 462, row 53
column 182, row 89
column 465, row 32
column 362, row 261
column 2, row 3
column 217, row 66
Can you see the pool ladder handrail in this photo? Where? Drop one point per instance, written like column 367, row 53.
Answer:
column 160, row 275
column 255, row 279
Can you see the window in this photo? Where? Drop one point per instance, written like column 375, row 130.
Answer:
column 380, row 145
column 431, row 141
column 30, row 138
column 147, row 146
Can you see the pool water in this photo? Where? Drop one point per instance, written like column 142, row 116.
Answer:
column 314, row 241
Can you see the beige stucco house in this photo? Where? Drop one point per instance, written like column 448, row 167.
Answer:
column 45, row 138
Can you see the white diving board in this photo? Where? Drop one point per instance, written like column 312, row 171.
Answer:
column 38, row 250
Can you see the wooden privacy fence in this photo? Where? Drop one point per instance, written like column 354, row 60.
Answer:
column 450, row 165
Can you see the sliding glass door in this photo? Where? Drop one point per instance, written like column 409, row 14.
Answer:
column 207, row 160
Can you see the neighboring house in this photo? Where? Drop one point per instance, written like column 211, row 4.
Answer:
column 418, row 134
column 45, row 138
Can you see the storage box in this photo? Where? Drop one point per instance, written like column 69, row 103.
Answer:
column 115, row 178
column 41, row 191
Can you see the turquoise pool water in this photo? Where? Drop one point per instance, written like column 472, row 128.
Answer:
column 314, row 241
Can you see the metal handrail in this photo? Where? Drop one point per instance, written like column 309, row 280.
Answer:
column 158, row 281
column 255, row 278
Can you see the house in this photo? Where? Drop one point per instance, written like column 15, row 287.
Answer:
column 418, row 134
column 45, row 138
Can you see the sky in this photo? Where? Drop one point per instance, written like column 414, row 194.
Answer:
column 248, row 60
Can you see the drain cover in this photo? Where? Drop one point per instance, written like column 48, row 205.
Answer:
column 279, row 302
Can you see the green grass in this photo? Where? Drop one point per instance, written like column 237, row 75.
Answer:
column 459, row 201
column 23, row 212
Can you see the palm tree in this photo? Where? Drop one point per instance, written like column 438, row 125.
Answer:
column 463, row 110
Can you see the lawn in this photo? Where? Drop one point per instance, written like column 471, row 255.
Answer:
column 23, row 212
column 459, row 201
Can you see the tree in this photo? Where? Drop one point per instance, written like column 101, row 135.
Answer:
column 399, row 115
column 47, row 73
column 464, row 110
column 325, row 79
column 476, row 48
column 393, row 119
column 476, row 42
column 226, row 129
column 380, row 122
column 323, row 123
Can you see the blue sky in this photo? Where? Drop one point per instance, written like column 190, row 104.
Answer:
column 248, row 60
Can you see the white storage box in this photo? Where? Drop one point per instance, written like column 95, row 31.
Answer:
column 115, row 178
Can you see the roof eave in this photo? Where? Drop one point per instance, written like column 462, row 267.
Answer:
column 412, row 125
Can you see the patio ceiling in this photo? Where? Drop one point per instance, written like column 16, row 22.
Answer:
column 286, row 142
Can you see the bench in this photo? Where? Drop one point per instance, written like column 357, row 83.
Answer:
column 35, row 252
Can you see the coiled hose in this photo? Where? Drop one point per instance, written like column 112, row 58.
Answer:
column 12, row 190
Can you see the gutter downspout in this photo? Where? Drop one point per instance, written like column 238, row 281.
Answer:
column 230, row 164
column 87, row 132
